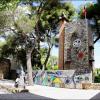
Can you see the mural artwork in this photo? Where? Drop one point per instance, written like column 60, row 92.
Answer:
column 64, row 78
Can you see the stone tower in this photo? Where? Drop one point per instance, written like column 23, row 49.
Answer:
column 76, row 46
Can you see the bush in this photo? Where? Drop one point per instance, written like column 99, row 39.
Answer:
column 97, row 79
column 55, row 67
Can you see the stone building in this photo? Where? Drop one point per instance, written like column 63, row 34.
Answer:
column 76, row 46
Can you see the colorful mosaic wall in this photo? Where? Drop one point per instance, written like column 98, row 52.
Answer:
column 60, row 78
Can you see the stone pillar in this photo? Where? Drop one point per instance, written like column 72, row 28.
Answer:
column 61, row 43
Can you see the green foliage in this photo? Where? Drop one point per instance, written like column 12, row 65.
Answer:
column 51, row 15
column 36, row 68
column 36, row 59
column 43, row 52
column 52, row 63
column 5, row 19
column 50, row 20
column 97, row 79
column 92, row 10
column 93, row 14
column 2, row 43
column 43, row 21
column 8, row 4
column 55, row 67
column 97, row 75
column 6, row 51
column 24, row 24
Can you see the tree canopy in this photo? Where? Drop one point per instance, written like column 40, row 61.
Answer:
column 41, row 21
column 92, row 10
column 30, row 23
column 93, row 14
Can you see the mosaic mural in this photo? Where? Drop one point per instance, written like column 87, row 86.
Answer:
column 60, row 78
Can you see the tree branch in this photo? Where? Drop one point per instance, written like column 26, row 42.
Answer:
column 96, row 39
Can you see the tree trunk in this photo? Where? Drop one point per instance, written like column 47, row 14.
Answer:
column 47, row 58
column 29, row 67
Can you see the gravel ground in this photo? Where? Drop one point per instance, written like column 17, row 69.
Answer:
column 6, row 83
column 4, row 91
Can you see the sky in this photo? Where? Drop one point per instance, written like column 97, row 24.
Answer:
column 77, row 4
column 97, row 55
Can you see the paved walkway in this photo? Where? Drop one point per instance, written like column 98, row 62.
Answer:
column 6, row 95
column 45, row 92
column 62, row 93
column 22, row 96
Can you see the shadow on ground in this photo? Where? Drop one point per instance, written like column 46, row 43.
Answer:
column 96, row 97
column 22, row 96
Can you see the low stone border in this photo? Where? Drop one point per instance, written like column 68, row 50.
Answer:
column 86, row 85
column 11, row 89
column 95, row 86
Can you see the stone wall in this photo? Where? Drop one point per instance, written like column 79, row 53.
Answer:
column 78, row 39
column 95, row 86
